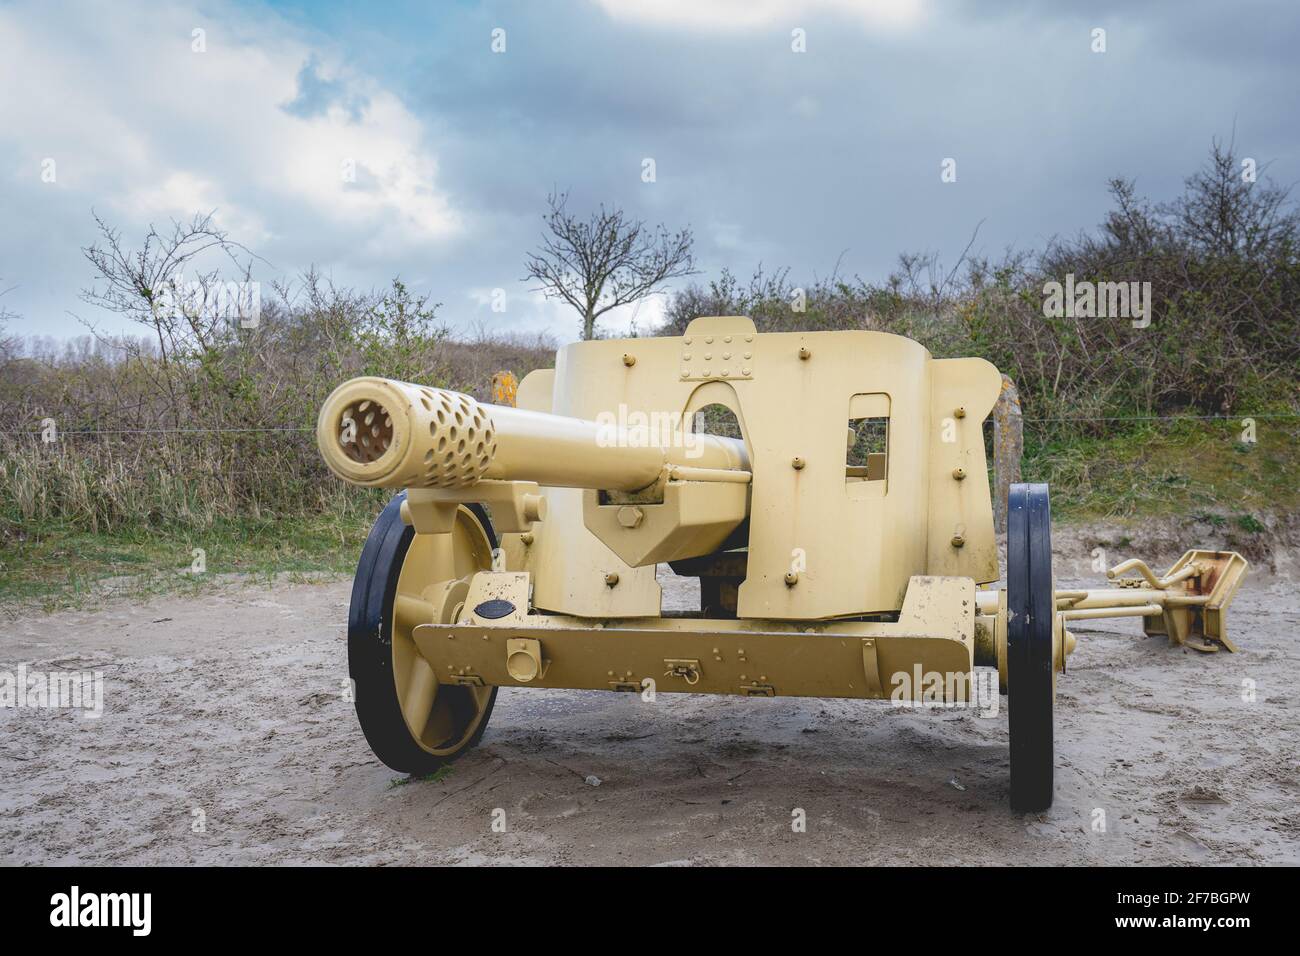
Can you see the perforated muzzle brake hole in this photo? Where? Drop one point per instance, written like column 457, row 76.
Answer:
column 365, row 431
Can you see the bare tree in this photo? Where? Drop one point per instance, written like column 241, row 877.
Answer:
column 142, row 284
column 149, row 286
column 606, row 260
column 1226, row 213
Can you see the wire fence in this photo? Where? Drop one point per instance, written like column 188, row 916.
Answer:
column 306, row 429
column 292, row 429
column 1168, row 418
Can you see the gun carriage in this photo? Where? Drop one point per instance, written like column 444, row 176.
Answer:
column 843, row 538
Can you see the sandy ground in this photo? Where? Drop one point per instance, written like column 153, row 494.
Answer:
column 227, row 710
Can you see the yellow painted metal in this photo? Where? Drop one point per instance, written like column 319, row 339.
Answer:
column 431, row 588
column 792, row 401
column 388, row 434
column 1161, row 584
column 804, row 519
column 1188, row 603
column 1201, row 585
column 515, row 505
column 1133, row 610
column 849, row 574
column 933, row 635
column 693, row 519
column 963, row 392
column 568, row 563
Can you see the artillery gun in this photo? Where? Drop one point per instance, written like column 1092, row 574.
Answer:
column 844, row 539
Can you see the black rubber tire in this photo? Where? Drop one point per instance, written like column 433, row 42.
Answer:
column 1031, row 616
column 370, row 656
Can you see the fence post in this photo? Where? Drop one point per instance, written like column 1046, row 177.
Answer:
column 1008, row 445
column 504, row 388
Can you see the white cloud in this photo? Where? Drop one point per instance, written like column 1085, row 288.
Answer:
column 181, row 194
column 145, row 128
column 750, row 14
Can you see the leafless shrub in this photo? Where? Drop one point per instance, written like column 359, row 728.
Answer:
column 203, row 418
column 1224, row 333
column 606, row 260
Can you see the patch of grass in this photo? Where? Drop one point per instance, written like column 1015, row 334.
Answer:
column 441, row 773
column 53, row 565
column 1250, row 524
column 1171, row 468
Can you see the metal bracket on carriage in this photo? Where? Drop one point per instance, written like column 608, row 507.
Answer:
column 1188, row 604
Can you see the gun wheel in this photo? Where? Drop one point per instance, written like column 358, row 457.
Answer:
column 1031, row 617
column 413, row 723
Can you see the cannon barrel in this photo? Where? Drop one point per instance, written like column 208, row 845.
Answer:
column 382, row 433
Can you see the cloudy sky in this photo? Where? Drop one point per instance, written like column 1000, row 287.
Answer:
column 771, row 155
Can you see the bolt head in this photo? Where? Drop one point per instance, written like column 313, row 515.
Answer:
column 630, row 516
